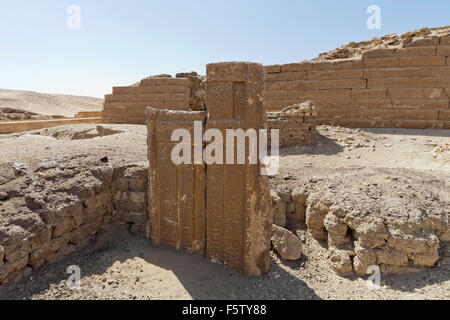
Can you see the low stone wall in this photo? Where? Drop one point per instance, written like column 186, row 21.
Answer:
column 57, row 207
column 28, row 125
column 296, row 124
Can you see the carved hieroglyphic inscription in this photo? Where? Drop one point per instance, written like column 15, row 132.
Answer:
column 219, row 209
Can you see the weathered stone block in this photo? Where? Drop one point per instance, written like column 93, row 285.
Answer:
column 279, row 210
column 325, row 94
column 431, row 41
column 137, row 184
column 444, row 115
column 349, row 64
column 176, row 192
column 420, row 103
column 421, row 61
column 64, row 227
column 409, row 114
column 380, row 53
column 369, row 93
column 417, row 52
column 272, row 69
column 400, row 73
column 443, row 51
column 239, row 216
column 381, row 62
column 8, row 269
column 2, row 255
column 281, row 95
column 303, row 66
column 377, row 114
column 408, row 83
column 288, row 245
column 333, row 84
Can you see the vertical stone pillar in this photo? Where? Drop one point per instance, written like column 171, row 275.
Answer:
column 238, row 207
column 177, row 192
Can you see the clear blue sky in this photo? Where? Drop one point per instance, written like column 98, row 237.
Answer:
column 121, row 42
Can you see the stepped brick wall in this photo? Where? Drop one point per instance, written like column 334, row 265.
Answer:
column 407, row 87
column 392, row 81
column 128, row 104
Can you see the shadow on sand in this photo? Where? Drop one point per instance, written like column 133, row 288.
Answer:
column 199, row 277
column 324, row 146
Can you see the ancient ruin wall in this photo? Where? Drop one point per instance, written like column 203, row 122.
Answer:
column 191, row 206
column 57, row 207
column 406, row 85
column 127, row 104
column 238, row 218
column 177, row 216
column 296, row 124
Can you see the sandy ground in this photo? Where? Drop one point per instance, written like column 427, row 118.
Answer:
column 48, row 104
column 125, row 266
column 68, row 140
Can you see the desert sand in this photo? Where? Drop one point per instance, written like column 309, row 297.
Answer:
column 48, row 104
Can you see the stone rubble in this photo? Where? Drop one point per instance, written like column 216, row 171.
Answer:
column 287, row 244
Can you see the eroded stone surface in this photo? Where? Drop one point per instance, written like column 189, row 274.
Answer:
column 53, row 207
column 396, row 219
column 239, row 215
column 176, row 191
column 287, row 244
column 295, row 124
column 235, row 227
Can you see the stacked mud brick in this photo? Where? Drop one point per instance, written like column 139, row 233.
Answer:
column 51, row 222
column 296, row 124
column 407, row 86
column 222, row 211
column 127, row 104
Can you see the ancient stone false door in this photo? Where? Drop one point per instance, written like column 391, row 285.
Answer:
column 177, row 192
column 219, row 209
column 237, row 195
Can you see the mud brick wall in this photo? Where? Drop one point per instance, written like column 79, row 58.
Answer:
column 407, row 87
column 61, row 205
column 127, row 104
column 297, row 126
